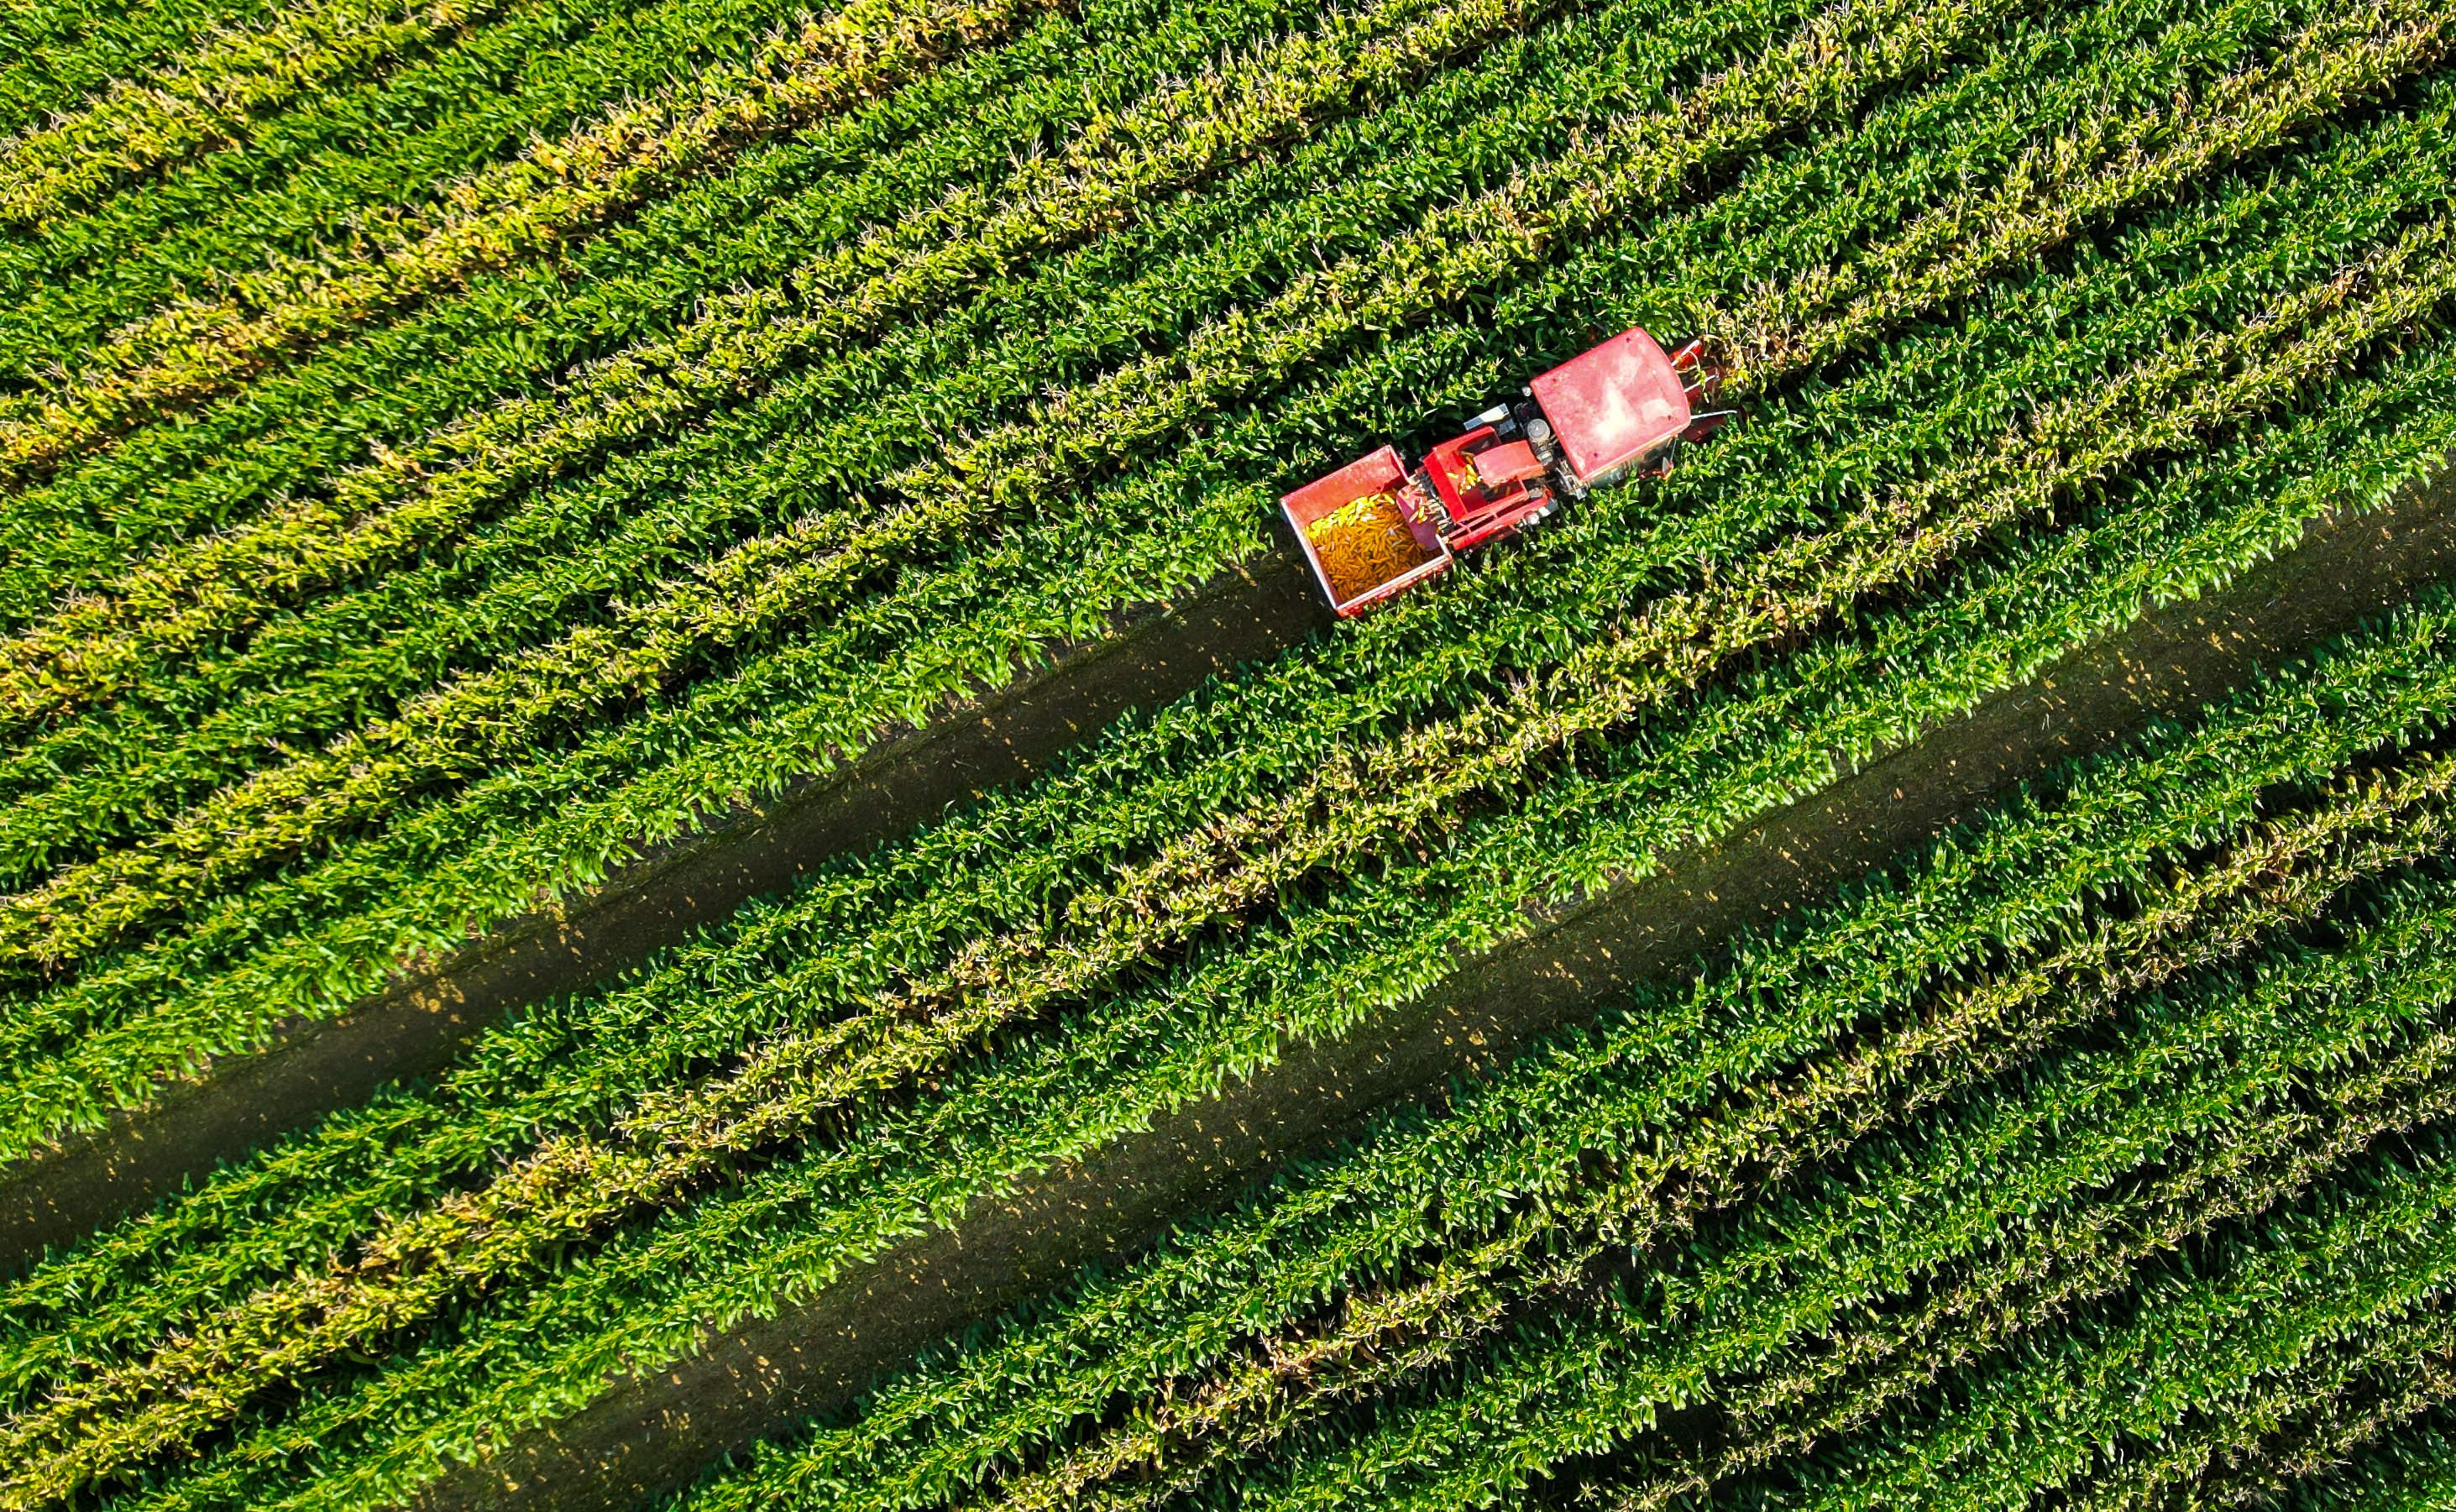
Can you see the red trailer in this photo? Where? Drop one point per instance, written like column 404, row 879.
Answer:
column 1373, row 527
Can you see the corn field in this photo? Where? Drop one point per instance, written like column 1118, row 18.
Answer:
column 1907, row 961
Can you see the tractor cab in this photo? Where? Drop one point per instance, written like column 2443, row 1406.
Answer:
column 1373, row 528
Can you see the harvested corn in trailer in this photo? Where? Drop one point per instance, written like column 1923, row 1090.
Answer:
column 1364, row 544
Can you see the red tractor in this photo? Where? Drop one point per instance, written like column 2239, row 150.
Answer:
column 1373, row 528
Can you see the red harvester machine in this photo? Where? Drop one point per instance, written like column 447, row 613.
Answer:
column 1373, row 527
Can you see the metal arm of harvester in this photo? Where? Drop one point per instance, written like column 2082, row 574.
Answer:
column 1376, row 528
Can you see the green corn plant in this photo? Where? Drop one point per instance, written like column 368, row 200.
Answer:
column 445, row 1363
column 495, row 1220
column 748, row 226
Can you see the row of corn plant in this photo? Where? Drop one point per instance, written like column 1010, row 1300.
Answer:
column 1897, row 1224
column 1962, row 922
column 849, row 428
column 2117, row 398
column 1193, row 1065
column 494, row 594
column 54, row 57
column 2119, row 1381
column 1952, row 916
column 655, row 1043
column 2282, row 1429
column 1774, row 1418
column 2374, row 303
column 2213, row 1172
column 1773, row 1422
column 516, row 328
column 600, row 1311
column 429, row 492
column 1193, row 1425
column 2408, row 1470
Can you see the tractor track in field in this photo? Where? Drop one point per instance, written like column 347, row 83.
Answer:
column 660, row 1428
column 421, row 1023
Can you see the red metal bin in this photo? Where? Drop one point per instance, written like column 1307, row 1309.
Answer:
column 1379, row 472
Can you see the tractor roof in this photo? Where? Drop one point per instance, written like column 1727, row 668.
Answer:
column 1613, row 405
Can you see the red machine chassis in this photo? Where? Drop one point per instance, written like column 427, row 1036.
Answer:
column 1617, row 409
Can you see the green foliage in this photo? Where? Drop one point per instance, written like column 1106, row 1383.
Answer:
column 1957, row 986
column 414, row 588
column 1075, row 603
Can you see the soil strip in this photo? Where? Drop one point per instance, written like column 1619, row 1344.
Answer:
column 421, row 1022
column 656, row 1431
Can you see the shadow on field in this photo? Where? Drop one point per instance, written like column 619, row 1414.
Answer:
column 420, row 1024
column 658, row 1430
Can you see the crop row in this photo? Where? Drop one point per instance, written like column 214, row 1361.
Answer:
column 859, row 1061
column 1896, row 1223
column 502, row 215
column 580, row 644
column 589, row 647
column 1653, row 1198
column 1350, row 810
column 2405, row 1470
column 1104, row 1053
column 2417, row 835
column 548, row 1170
column 2286, row 1431
column 598, row 1311
column 1674, row 1106
column 2245, row 1432
column 103, row 800
column 2263, row 1305
column 213, row 100
column 108, row 792
column 1198, row 801
column 2273, row 1299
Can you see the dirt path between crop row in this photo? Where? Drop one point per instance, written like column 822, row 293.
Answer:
column 659, row 1430
column 420, row 1024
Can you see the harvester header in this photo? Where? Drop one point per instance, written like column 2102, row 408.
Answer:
column 1375, row 527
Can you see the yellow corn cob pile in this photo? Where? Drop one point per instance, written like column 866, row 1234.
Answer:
column 1365, row 543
